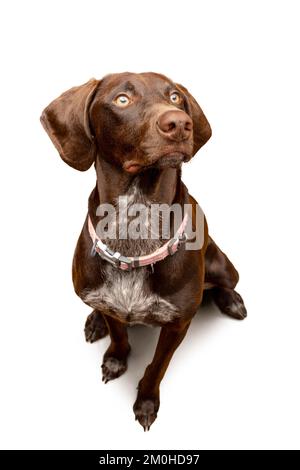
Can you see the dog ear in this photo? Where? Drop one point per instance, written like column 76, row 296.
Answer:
column 66, row 121
column 201, row 126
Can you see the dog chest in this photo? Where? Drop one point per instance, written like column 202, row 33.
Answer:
column 127, row 295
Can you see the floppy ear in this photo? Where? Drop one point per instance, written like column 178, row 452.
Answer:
column 66, row 121
column 201, row 126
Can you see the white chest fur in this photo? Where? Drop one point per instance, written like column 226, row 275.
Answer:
column 127, row 295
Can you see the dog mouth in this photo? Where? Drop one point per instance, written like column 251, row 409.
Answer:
column 132, row 167
column 170, row 159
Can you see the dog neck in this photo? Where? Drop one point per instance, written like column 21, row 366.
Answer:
column 155, row 185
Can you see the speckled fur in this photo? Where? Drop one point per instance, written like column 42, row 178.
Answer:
column 139, row 246
column 127, row 293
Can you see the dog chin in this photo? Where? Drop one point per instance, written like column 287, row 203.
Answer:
column 171, row 160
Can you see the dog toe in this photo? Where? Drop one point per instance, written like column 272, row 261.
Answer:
column 146, row 412
column 95, row 327
column 236, row 310
column 113, row 368
column 230, row 302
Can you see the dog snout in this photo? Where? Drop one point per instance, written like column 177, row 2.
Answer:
column 175, row 125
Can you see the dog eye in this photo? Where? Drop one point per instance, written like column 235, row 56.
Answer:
column 175, row 98
column 122, row 101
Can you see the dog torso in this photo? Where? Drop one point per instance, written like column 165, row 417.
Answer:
column 128, row 294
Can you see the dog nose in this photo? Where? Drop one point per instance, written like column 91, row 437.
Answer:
column 176, row 125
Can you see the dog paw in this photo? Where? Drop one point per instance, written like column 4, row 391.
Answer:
column 145, row 411
column 95, row 327
column 236, row 310
column 113, row 368
column 231, row 303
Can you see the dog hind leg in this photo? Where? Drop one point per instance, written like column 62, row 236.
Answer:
column 222, row 276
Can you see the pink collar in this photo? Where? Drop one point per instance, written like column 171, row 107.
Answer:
column 126, row 263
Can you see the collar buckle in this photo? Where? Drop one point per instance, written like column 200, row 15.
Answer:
column 115, row 258
column 125, row 260
column 182, row 238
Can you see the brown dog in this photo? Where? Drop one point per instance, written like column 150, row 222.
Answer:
column 138, row 129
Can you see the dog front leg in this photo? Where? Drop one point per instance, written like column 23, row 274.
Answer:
column 95, row 327
column 115, row 358
column 147, row 402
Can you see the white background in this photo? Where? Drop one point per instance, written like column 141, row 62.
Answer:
column 231, row 385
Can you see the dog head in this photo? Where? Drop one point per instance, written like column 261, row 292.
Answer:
column 135, row 121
